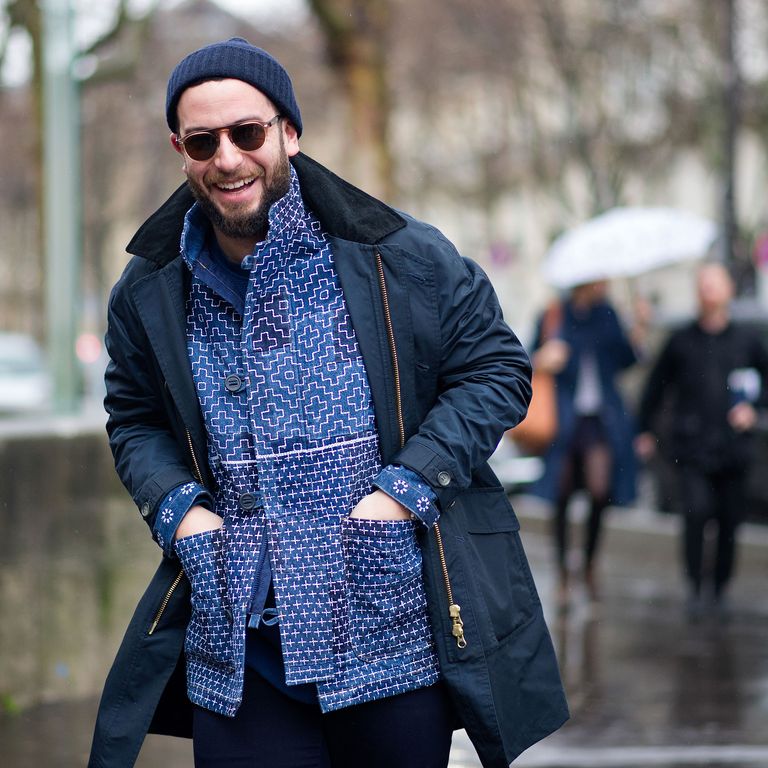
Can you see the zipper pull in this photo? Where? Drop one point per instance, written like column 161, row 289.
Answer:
column 457, row 630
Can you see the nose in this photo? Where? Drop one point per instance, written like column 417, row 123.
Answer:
column 227, row 154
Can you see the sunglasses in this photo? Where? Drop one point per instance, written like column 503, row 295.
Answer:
column 247, row 137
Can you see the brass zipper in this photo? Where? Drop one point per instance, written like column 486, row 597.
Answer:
column 454, row 610
column 198, row 473
column 164, row 604
column 177, row 580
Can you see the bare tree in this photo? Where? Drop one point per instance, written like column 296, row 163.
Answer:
column 25, row 15
column 464, row 105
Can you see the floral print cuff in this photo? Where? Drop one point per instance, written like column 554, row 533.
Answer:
column 173, row 507
column 408, row 488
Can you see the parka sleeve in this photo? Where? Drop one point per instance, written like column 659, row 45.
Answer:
column 148, row 457
column 484, row 381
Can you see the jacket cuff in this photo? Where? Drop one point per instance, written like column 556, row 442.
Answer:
column 440, row 474
column 409, row 489
column 173, row 508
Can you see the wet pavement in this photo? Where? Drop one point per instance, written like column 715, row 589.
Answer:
column 646, row 686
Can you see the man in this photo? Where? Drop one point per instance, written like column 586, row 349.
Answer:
column 302, row 381
column 709, row 376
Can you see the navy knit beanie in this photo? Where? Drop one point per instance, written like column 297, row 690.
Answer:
column 238, row 59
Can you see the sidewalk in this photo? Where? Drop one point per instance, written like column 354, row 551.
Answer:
column 645, row 687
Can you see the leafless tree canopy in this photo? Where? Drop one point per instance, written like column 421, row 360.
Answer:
column 472, row 100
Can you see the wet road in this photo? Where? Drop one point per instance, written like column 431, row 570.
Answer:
column 646, row 686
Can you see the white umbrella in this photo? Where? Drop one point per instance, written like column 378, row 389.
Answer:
column 627, row 241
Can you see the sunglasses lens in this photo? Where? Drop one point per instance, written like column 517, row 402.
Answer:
column 248, row 136
column 245, row 136
column 201, row 146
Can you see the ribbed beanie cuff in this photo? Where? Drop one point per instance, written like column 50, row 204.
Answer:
column 238, row 59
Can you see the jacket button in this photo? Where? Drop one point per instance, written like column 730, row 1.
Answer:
column 444, row 478
column 146, row 509
column 247, row 501
column 233, row 383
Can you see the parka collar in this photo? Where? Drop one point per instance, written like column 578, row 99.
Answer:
column 344, row 211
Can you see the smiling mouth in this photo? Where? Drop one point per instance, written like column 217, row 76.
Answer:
column 233, row 186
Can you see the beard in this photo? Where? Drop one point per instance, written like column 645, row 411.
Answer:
column 247, row 224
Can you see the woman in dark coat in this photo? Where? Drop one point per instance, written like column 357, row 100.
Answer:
column 582, row 342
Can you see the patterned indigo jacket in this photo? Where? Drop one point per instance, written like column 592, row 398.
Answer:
column 447, row 378
column 292, row 447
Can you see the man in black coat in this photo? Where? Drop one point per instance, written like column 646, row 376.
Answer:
column 291, row 360
column 709, row 375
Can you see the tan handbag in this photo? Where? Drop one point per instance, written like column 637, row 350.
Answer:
column 536, row 432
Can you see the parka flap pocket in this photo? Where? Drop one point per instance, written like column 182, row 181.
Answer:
column 488, row 510
column 488, row 568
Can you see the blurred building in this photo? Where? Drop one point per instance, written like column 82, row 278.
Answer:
column 508, row 124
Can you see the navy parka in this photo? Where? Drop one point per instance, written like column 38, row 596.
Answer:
column 462, row 380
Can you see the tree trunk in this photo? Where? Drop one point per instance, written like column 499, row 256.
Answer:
column 356, row 35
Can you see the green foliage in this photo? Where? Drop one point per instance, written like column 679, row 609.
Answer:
column 9, row 705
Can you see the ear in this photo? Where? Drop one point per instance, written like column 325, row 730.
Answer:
column 176, row 144
column 291, row 138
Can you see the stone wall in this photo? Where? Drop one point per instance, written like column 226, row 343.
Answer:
column 75, row 557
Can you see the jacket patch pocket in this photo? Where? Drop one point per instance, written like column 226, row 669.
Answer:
column 209, row 633
column 498, row 565
column 386, row 601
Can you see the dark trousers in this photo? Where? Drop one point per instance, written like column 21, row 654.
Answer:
column 271, row 730
column 711, row 495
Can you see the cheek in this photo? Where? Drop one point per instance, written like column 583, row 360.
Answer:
column 195, row 174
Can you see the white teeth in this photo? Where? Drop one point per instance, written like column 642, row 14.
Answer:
column 236, row 184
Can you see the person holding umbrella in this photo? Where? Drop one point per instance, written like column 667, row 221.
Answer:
column 710, row 377
column 582, row 342
column 589, row 348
